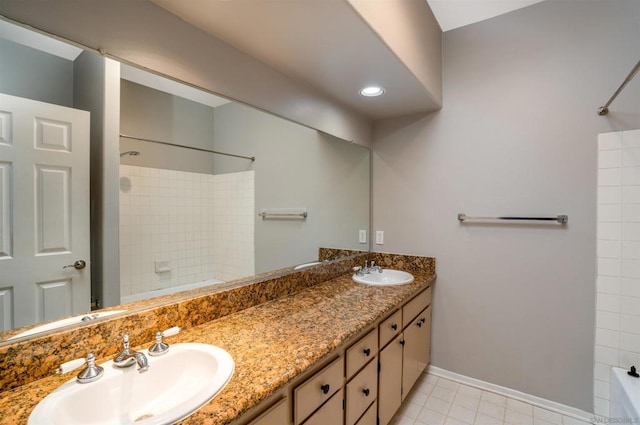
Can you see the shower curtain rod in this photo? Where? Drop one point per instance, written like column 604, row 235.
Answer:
column 603, row 110
column 252, row 158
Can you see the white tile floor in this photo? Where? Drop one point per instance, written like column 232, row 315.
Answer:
column 438, row 401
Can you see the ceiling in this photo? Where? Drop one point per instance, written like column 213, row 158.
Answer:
column 329, row 46
column 452, row 14
column 326, row 44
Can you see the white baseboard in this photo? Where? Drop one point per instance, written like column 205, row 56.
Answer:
column 511, row 393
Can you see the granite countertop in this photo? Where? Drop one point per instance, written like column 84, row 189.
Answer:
column 271, row 344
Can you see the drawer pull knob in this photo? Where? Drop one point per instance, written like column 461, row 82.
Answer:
column 402, row 342
column 423, row 320
column 394, row 327
column 367, row 351
column 419, row 324
column 325, row 388
column 366, row 392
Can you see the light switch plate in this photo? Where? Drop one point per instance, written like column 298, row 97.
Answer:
column 362, row 236
column 379, row 237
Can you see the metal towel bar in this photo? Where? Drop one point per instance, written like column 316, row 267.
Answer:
column 275, row 214
column 561, row 219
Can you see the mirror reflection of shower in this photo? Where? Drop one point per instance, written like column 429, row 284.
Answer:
column 129, row 153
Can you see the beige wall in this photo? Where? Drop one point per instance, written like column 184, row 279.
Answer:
column 514, row 304
column 296, row 167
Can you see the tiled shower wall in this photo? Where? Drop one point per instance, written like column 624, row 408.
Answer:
column 618, row 253
column 202, row 224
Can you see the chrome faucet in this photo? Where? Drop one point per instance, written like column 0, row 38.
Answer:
column 361, row 271
column 375, row 268
column 366, row 269
column 129, row 357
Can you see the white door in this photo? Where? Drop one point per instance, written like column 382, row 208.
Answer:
column 44, row 212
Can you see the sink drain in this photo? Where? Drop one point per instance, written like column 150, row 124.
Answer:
column 143, row 417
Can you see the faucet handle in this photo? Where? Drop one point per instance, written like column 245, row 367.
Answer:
column 175, row 330
column 70, row 365
column 89, row 374
column 160, row 347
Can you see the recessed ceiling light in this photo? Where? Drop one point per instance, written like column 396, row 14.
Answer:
column 372, row 91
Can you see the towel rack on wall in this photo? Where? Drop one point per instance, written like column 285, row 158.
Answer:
column 561, row 219
column 284, row 214
column 159, row 142
column 603, row 110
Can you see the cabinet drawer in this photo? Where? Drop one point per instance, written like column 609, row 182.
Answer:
column 369, row 418
column 276, row 415
column 361, row 352
column 318, row 389
column 390, row 328
column 330, row 413
column 361, row 392
column 415, row 306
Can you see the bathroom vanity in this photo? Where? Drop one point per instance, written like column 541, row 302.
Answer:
column 361, row 380
column 315, row 354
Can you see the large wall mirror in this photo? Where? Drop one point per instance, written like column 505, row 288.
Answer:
column 210, row 190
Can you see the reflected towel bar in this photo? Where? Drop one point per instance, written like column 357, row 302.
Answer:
column 159, row 142
column 275, row 214
column 562, row 219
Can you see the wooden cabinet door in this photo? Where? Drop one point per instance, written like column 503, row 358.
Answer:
column 330, row 413
column 416, row 350
column 426, row 338
column 390, row 380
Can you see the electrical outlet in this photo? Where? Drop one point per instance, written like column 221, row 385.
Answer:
column 162, row 266
column 379, row 237
column 362, row 236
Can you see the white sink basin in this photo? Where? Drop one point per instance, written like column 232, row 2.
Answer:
column 66, row 322
column 175, row 385
column 388, row 277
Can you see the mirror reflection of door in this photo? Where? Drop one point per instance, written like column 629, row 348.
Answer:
column 44, row 212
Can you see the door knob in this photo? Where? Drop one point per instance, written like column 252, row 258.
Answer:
column 78, row 265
